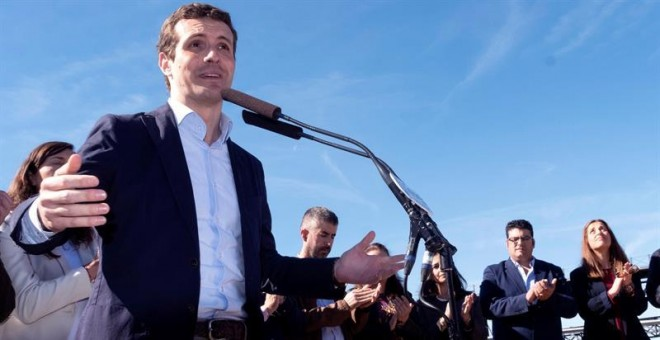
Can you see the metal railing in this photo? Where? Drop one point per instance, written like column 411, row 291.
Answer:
column 651, row 326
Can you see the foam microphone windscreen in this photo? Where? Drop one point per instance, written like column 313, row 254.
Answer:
column 253, row 104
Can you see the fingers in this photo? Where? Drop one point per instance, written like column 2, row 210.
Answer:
column 71, row 166
column 395, row 263
column 69, row 200
column 366, row 240
column 363, row 295
column 469, row 300
column 58, row 216
column 68, row 182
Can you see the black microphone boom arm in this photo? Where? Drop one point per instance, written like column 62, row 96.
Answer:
column 422, row 225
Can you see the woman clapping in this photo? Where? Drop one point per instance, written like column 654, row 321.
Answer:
column 607, row 290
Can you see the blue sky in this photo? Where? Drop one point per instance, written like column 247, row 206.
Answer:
column 492, row 111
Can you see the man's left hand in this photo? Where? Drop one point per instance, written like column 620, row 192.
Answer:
column 355, row 266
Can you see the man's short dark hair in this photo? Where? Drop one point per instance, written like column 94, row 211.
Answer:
column 519, row 224
column 321, row 214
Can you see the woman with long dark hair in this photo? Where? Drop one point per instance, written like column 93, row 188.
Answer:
column 607, row 288
column 52, row 273
column 433, row 310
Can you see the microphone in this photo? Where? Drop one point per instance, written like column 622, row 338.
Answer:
column 276, row 126
column 427, row 262
column 253, row 104
column 411, row 252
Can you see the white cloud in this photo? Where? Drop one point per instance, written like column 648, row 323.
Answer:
column 497, row 49
column 579, row 25
column 330, row 164
column 309, row 189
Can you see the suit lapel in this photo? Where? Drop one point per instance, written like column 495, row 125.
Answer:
column 540, row 271
column 163, row 131
column 513, row 272
column 239, row 169
column 250, row 217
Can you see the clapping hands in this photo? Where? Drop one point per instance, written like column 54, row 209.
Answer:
column 361, row 297
column 544, row 289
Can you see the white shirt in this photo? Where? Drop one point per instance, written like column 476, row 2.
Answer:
column 222, row 292
column 329, row 333
column 529, row 278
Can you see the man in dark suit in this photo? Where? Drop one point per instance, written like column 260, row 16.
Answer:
column 525, row 297
column 182, row 210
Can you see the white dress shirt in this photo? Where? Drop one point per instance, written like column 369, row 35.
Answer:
column 222, row 293
column 529, row 278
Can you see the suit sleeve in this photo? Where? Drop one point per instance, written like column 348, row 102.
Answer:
column 562, row 300
column 36, row 298
column 494, row 302
column 636, row 304
column 479, row 326
column 7, row 296
column 592, row 300
column 332, row 315
column 653, row 281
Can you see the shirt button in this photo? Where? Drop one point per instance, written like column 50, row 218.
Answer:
column 191, row 309
column 194, row 262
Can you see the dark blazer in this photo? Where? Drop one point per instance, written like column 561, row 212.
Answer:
column 299, row 318
column 7, row 296
column 653, row 280
column 429, row 316
column 503, row 301
column 149, row 283
column 598, row 311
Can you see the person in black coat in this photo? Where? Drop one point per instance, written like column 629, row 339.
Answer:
column 7, row 295
column 433, row 312
column 653, row 280
column 607, row 288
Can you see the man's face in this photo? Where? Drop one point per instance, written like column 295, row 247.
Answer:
column 318, row 238
column 520, row 244
column 203, row 63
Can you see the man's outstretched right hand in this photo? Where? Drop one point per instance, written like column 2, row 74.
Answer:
column 69, row 200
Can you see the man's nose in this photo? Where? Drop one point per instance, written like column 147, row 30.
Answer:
column 212, row 56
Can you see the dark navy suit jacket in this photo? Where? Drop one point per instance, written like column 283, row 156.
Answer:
column 503, row 301
column 599, row 313
column 150, row 281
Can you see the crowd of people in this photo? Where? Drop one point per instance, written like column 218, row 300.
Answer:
column 159, row 227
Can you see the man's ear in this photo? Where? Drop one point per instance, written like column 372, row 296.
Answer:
column 304, row 233
column 165, row 64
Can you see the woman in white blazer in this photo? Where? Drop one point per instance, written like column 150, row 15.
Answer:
column 52, row 274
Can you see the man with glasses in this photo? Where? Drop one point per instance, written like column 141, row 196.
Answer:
column 524, row 296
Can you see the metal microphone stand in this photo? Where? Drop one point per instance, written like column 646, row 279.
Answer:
column 421, row 224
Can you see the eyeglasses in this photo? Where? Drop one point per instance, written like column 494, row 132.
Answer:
column 518, row 239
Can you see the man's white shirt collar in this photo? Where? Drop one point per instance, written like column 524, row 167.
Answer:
column 181, row 111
